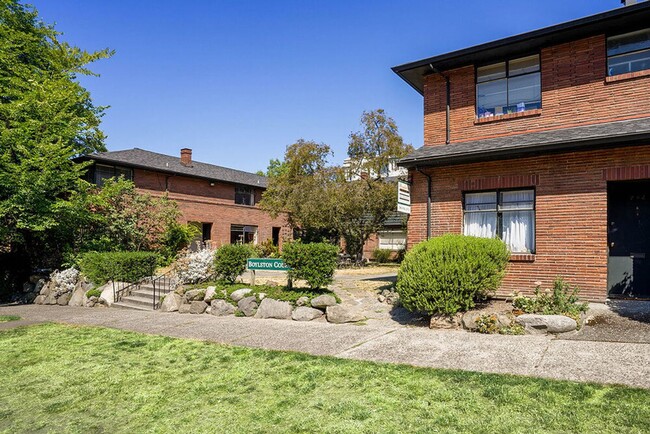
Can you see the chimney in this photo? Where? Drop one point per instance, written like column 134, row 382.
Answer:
column 186, row 157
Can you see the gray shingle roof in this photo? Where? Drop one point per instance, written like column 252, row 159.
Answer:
column 627, row 132
column 166, row 163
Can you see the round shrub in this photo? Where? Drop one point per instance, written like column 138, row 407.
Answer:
column 381, row 256
column 230, row 260
column 448, row 274
column 314, row 262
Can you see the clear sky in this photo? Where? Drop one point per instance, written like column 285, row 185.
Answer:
column 238, row 81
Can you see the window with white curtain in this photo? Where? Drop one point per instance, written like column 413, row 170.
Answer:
column 510, row 215
column 392, row 240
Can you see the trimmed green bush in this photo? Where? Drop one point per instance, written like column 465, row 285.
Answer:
column 93, row 293
column 100, row 267
column 450, row 273
column 314, row 262
column 230, row 260
column 381, row 256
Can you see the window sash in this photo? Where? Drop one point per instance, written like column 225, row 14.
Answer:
column 392, row 240
column 244, row 196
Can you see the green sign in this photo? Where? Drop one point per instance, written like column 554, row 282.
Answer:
column 269, row 264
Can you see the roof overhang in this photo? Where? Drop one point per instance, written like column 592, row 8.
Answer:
column 623, row 19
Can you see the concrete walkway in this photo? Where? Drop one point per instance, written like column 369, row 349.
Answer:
column 539, row 356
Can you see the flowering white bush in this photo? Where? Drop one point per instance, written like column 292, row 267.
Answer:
column 195, row 267
column 64, row 281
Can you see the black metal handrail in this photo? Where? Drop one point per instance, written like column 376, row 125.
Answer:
column 162, row 285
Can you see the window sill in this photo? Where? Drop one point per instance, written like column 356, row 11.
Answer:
column 522, row 257
column 627, row 76
column 497, row 118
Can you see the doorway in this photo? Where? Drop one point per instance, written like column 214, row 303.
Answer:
column 628, row 239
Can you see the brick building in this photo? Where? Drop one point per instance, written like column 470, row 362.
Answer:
column 222, row 202
column 543, row 140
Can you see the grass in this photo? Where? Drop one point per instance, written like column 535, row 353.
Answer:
column 83, row 379
column 7, row 318
column 275, row 292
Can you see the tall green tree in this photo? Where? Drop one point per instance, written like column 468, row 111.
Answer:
column 46, row 119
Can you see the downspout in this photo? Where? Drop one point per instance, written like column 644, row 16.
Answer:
column 448, row 108
column 428, row 201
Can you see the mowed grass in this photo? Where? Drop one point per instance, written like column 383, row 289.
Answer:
column 58, row 378
column 7, row 318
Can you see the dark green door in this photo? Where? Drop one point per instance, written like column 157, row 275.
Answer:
column 628, row 272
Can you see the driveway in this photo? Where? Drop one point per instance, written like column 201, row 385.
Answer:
column 538, row 356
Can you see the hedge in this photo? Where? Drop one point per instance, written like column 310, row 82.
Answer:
column 314, row 262
column 230, row 260
column 100, row 267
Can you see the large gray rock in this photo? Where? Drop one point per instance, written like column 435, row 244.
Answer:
column 39, row 299
column 323, row 301
column 236, row 296
column 50, row 298
column 304, row 313
column 441, row 321
column 270, row 308
column 468, row 320
column 78, row 295
column 338, row 314
column 537, row 324
column 222, row 308
column 302, row 301
column 108, row 294
column 46, row 289
column 198, row 307
column 194, row 295
column 248, row 305
column 29, row 287
column 184, row 308
column 171, row 303
column 209, row 292
column 64, row 299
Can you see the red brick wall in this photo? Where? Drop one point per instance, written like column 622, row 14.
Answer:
column 571, row 210
column 574, row 92
column 201, row 202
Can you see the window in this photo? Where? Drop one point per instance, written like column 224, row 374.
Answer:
column 102, row 172
column 510, row 215
column 240, row 234
column 392, row 240
column 244, row 196
column 508, row 87
column 628, row 53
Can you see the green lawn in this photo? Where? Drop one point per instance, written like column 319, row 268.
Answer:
column 82, row 379
column 7, row 318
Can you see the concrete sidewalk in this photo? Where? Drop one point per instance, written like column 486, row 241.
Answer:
column 539, row 356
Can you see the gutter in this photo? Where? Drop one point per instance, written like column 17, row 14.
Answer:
column 428, row 201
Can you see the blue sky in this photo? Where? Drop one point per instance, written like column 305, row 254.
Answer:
column 238, row 81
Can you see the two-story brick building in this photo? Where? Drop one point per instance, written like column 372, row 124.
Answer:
column 222, row 202
column 543, row 140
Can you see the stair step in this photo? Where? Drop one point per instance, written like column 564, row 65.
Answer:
column 138, row 301
column 125, row 305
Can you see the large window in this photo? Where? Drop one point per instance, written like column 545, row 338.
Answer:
column 392, row 240
column 101, row 172
column 244, row 196
column 628, row 53
column 508, row 87
column 509, row 215
column 240, row 234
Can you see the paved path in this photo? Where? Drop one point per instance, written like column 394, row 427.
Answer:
column 540, row 356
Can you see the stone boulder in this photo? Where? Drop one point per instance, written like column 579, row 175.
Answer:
column 236, row 296
column 468, row 320
column 304, row 313
column 302, row 301
column 248, row 305
column 46, row 289
column 323, row 301
column 78, row 295
column 338, row 314
column 209, row 292
column 198, row 307
column 539, row 324
column 184, row 308
column 270, row 308
column 440, row 321
column 64, row 299
column 50, row 298
column 171, row 303
column 108, row 296
column 222, row 308
column 194, row 295
column 40, row 299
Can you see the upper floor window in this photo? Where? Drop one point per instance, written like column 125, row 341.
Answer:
column 244, row 196
column 508, row 87
column 628, row 53
column 101, row 172
column 509, row 215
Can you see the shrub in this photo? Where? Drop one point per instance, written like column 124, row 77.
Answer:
column 176, row 238
column 101, row 267
column 195, row 267
column 562, row 300
column 314, row 262
column 268, row 250
column 230, row 260
column 381, row 255
column 448, row 274
column 93, row 293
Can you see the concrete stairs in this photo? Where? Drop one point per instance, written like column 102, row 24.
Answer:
column 141, row 297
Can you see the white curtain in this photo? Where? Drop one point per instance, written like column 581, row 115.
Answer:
column 518, row 220
column 481, row 224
